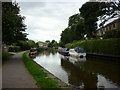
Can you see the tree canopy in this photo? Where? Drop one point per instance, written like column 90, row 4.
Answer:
column 53, row 43
column 85, row 22
column 75, row 29
column 89, row 11
column 13, row 27
column 109, row 10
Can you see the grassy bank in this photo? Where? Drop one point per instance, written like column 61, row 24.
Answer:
column 106, row 46
column 38, row 74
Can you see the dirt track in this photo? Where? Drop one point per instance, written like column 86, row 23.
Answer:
column 15, row 75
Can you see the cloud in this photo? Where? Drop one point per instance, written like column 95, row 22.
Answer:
column 46, row 21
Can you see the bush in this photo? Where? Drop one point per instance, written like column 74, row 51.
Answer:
column 14, row 48
column 106, row 46
column 23, row 45
column 40, row 49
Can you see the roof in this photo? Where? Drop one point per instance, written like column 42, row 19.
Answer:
column 116, row 20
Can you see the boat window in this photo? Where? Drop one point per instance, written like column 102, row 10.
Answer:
column 79, row 50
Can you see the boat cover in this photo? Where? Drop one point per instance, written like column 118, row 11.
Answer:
column 66, row 49
column 79, row 50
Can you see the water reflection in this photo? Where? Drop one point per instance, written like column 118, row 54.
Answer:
column 77, row 76
column 76, row 61
column 82, row 72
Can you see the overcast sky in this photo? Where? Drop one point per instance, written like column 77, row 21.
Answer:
column 47, row 20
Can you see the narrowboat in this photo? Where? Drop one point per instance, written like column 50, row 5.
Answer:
column 63, row 51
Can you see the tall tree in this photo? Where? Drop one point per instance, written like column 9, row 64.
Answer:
column 47, row 41
column 53, row 43
column 109, row 10
column 13, row 27
column 89, row 12
column 80, row 29
column 75, row 29
column 74, row 19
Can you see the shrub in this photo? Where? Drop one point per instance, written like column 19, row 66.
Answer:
column 106, row 46
column 40, row 49
column 14, row 48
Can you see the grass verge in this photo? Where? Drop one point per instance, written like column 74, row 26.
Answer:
column 38, row 74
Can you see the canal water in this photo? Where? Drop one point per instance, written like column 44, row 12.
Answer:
column 81, row 72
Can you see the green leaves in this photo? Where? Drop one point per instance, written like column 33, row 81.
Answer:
column 53, row 43
column 12, row 23
column 89, row 12
column 105, row 47
column 75, row 29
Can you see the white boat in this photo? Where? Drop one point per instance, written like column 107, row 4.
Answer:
column 78, row 52
column 77, row 61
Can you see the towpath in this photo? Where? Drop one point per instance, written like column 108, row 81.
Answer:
column 15, row 74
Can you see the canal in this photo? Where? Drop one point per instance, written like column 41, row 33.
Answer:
column 83, row 73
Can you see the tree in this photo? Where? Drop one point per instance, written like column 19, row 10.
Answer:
column 65, row 36
column 13, row 27
column 89, row 11
column 80, row 29
column 109, row 10
column 31, row 43
column 74, row 19
column 74, row 31
column 23, row 45
column 47, row 41
column 53, row 43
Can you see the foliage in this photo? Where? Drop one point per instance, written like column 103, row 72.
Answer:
column 53, row 43
column 13, row 27
column 38, row 74
column 31, row 43
column 47, row 41
column 40, row 49
column 24, row 45
column 14, row 48
column 80, row 29
column 74, row 19
column 106, row 46
column 89, row 11
column 61, row 44
column 109, row 10
column 74, row 31
column 112, row 34
column 85, row 22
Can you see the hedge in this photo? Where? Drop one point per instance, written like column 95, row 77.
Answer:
column 14, row 48
column 105, row 46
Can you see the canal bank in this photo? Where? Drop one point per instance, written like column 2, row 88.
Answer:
column 81, row 73
column 106, row 48
column 43, row 78
column 112, row 58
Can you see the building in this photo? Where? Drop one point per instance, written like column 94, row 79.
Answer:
column 115, row 25
column 42, row 44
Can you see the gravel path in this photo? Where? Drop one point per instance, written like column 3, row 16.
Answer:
column 15, row 74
